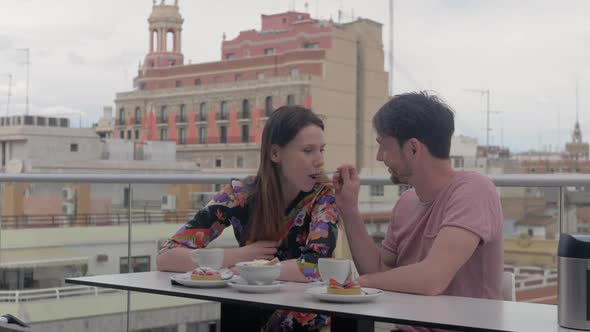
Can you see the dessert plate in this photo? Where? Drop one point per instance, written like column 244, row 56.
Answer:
column 185, row 280
column 367, row 294
column 242, row 286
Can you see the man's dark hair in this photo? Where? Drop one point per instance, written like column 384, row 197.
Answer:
column 418, row 115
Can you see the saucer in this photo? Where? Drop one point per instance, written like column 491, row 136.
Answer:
column 242, row 286
column 367, row 294
column 185, row 280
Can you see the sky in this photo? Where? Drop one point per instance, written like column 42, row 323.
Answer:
column 530, row 55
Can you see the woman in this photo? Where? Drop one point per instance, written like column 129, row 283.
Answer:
column 287, row 211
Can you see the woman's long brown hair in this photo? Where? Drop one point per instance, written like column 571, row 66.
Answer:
column 267, row 212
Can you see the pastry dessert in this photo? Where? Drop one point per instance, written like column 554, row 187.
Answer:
column 263, row 262
column 203, row 273
column 347, row 288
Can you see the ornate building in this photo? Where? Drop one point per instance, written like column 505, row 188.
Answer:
column 215, row 111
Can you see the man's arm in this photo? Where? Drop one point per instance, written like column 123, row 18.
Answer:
column 451, row 249
column 366, row 255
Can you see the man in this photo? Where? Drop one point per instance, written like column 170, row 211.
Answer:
column 445, row 234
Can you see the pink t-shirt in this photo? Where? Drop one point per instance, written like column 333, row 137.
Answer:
column 468, row 201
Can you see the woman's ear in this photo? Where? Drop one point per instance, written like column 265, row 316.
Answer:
column 275, row 153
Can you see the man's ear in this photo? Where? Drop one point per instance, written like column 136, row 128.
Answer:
column 414, row 146
column 275, row 153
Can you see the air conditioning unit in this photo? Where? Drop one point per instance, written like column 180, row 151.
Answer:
column 68, row 193
column 68, row 208
column 168, row 202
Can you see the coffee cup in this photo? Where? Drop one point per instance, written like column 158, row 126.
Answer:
column 334, row 268
column 209, row 258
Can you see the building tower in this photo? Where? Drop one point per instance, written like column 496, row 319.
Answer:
column 165, row 28
column 577, row 149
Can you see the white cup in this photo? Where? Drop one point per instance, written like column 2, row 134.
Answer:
column 333, row 268
column 211, row 258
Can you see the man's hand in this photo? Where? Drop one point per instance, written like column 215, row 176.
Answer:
column 347, row 185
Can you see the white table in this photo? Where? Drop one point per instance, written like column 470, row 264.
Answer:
column 458, row 313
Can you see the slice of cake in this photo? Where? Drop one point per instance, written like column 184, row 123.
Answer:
column 347, row 288
column 203, row 273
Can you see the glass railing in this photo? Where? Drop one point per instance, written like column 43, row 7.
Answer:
column 55, row 226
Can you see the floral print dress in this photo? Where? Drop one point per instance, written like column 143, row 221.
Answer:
column 310, row 232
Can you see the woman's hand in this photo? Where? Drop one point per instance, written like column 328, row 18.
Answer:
column 257, row 250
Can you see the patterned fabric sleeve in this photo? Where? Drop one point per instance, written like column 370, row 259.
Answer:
column 323, row 232
column 209, row 222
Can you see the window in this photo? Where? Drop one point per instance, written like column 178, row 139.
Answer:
column 28, row 120
column 182, row 136
column 239, row 162
column 197, row 82
column 163, row 134
column 245, row 109
column 290, row 100
column 163, row 114
column 223, row 114
column 294, row 72
column 137, row 115
column 121, row 115
column 245, row 133
column 202, row 135
column 136, row 134
column 222, row 134
column 178, row 84
column 217, row 186
column 182, row 115
column 377, row 190
column 138, row 264
column 203, row 112
column 238, row 77
column 128, row 134
column 121, row 134
column 229, row 56
column 268, row 105
column 531, row 232
column 311, row 45
column 269, row 51
column 457, row 162
column 217, row 164
column 73, row 147
column 260, row 76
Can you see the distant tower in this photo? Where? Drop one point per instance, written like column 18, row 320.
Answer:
column 165, row 28
column 577, row 149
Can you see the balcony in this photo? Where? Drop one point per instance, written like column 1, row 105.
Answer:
column 222, row 117
column 132, row 212
column 162, row 119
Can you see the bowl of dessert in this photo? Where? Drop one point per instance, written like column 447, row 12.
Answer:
column 260, row 272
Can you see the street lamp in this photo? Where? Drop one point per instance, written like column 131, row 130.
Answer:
column 28, row 62
column 485, row 92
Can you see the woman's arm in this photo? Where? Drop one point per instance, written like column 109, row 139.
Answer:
column 178, row 259
column 207, row 224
